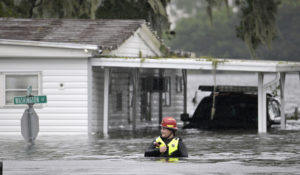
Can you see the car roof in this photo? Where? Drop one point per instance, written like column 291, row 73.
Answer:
column 226, row 88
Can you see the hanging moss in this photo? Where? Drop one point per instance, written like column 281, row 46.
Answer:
column 153, row 11
column 258, row 21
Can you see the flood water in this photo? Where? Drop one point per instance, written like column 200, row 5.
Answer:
column 210, row 152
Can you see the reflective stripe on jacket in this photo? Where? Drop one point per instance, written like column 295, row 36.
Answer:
column 172, row 146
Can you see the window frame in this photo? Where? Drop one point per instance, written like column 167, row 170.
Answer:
column 4, row 90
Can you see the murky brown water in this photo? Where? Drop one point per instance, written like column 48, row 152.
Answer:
column 210, row 152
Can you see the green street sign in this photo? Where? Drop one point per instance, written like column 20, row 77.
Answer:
column 27, row 99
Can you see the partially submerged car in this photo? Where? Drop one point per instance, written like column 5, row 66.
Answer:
column 235, row 108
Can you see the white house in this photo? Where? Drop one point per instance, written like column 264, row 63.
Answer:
column 103, row 74
column 53, row 56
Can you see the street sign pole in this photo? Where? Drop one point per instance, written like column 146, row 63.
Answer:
column 1, row 168
column 29, row 114
column 30, row 119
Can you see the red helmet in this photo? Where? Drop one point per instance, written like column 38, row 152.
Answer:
column 169, row 122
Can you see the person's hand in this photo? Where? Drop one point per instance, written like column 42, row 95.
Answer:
column 163, row 149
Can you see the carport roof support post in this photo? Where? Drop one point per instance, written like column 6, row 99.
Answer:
column 262, row 113
column 106, row 102
column 282, row 87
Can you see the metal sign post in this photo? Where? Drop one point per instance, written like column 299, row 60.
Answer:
column 1, row 168
column 30, row 119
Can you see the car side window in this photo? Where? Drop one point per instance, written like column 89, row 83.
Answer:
column 274, row 109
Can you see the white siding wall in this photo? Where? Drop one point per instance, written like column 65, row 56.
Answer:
column 66, row 110
column 176, row 107
column 119, row 83
column 134, row 46
column 120, row 80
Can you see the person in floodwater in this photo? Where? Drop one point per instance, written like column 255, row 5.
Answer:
column 167, row 145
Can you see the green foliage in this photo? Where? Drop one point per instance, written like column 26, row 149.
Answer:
column 196, row 34
column 112, row 9
column 258, row 23
column 47, row 8
column 7, row 8
column 286, row 45
column 279, row 42
column 294, row 115
column 153, row 11
column 64, row 9
column 214, row 3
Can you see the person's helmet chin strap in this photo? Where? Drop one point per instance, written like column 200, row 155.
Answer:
column 173, row 132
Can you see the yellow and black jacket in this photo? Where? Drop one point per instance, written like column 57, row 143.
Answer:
column 175, row 148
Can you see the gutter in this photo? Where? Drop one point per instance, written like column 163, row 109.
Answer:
column 80, row 50
column 48, row 44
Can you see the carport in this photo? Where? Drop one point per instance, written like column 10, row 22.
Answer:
column 280, row 68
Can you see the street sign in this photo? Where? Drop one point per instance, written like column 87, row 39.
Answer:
column 30, row 120
column 29, row 125
column 30, row 99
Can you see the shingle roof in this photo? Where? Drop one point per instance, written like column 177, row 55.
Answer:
column 106, row 33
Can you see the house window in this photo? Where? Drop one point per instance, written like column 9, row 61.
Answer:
column 16, row 84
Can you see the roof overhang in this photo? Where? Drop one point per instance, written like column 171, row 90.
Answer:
column 199, row 64
column 22, row 48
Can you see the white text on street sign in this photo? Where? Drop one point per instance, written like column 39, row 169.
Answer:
column 28, row 99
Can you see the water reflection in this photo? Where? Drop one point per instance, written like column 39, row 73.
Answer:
column 277, row 149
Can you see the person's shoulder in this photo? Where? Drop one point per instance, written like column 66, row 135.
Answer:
column 178, row 138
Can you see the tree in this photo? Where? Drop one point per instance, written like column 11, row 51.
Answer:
column 153, row 11
column 285, row 46
column 261, row 25
column 258, row 22
column 197, row 34
column 48, row 8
